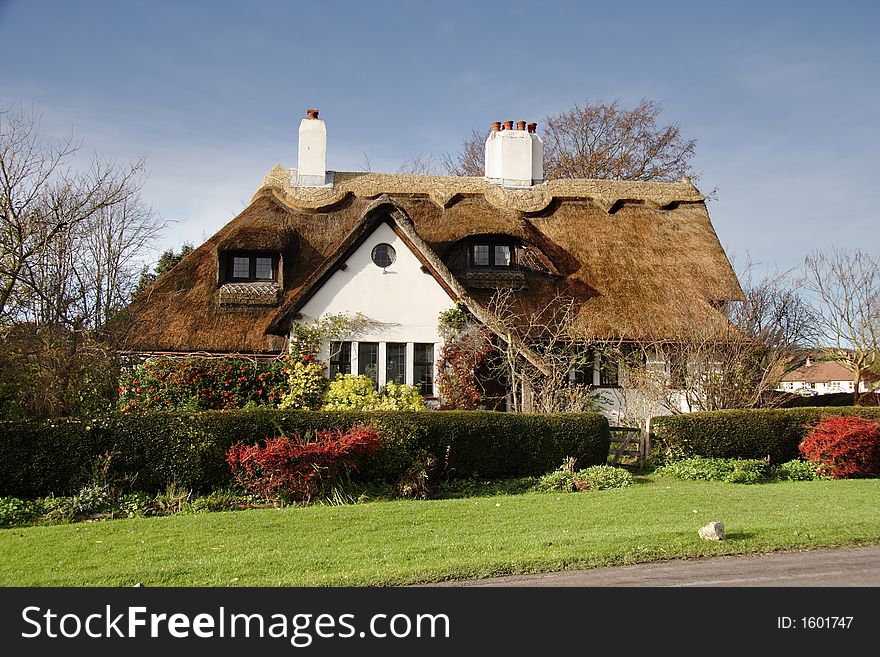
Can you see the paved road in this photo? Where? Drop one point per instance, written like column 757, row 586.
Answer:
column 838, row 567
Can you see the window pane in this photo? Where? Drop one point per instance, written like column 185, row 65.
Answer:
column 383, row 255
column 241, row 267
column 423, row 368
column 502, row 255
column 583, row 370
column 481, row 254
column 264, row 269
column 395, row 362
column 368, row 361
column 340, row 358
column 608, row 371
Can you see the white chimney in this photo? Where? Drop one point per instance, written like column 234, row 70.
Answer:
column 311, row 167
column 514, row 157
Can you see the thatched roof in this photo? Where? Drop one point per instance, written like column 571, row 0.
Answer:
column 641, row 259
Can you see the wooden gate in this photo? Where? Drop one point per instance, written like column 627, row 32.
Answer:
column 628, row 442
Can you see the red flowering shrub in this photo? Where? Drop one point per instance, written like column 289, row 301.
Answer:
column 201, row 384
column 296, row 468
column 844, row 447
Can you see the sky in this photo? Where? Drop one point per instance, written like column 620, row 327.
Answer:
column 783, row 98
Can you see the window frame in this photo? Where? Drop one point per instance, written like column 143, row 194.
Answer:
column 391, row 253
column 426, row 387
column 399, row 362
column 340, row 361
column 363, row 368
column 492, row 243
column 609, row 371
column 229, row 268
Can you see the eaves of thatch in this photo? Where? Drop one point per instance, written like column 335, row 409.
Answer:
column 641, row 260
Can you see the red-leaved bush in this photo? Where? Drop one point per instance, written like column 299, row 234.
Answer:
column 844, row 447
column 296, row 468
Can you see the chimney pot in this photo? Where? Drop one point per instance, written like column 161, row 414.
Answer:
column 312, row 113
column 533, row 127
column 496, row 126
column 508, row 125
column 520, row 125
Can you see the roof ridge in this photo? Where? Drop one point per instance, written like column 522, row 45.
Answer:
column 442, row 190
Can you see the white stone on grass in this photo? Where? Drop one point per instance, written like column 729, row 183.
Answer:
column 714, row 531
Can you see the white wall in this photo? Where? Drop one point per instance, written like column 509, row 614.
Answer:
column 404, row 301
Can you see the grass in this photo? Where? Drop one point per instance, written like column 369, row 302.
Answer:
column 404, row 542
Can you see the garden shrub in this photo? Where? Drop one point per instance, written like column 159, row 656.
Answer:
column 796, row 470
column 201, row 384
column 602, row 477
column 306, row 385
column 295, row 469
column 189, row 448
column 743, row 433
column 731, row 471
column 567, row 479
column 844, row 447
column 348, row 392
column 221, row 500
column 15, row 511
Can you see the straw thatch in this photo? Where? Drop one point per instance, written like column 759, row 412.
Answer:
column 642, row 259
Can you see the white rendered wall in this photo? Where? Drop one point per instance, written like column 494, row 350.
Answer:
column 403, row 301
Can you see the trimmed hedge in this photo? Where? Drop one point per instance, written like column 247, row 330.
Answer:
column 744, row 433
column 189, row 448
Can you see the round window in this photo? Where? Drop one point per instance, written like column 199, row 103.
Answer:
column 383, row 255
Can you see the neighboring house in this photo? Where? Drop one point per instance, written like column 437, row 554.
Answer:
column 641, row 258
column 822, row 378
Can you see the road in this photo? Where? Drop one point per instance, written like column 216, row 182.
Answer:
column 837, row 567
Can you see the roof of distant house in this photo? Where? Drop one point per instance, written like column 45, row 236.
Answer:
column 821, row 372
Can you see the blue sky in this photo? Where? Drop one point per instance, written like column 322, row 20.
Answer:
column 783, row 97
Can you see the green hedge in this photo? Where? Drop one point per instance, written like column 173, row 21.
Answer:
column 188, row 448
column 743, row 433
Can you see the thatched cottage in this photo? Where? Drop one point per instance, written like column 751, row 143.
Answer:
column 641, row 258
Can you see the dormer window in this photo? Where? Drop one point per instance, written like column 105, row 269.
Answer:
column 491, row 253
column 251, row 267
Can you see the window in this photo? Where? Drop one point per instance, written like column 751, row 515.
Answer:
column 395, row 362
column 368, row 361
column 423, row 368
column 491, row 253
column 251, row 267
column 383, row 255
column 481, row 255
column 582, row 373
column 677, row 371
column 502, row 255
column 608, row 371
column 340, row 358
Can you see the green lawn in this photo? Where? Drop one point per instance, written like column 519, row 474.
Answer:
column 412, row 541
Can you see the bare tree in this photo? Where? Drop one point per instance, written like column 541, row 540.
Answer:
column 599, row 140
column 734, row 360
column 70, row 245
column 471, row 159
column 536, row 353
column 846, row 284
column 421, row 163
column 41, row 198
